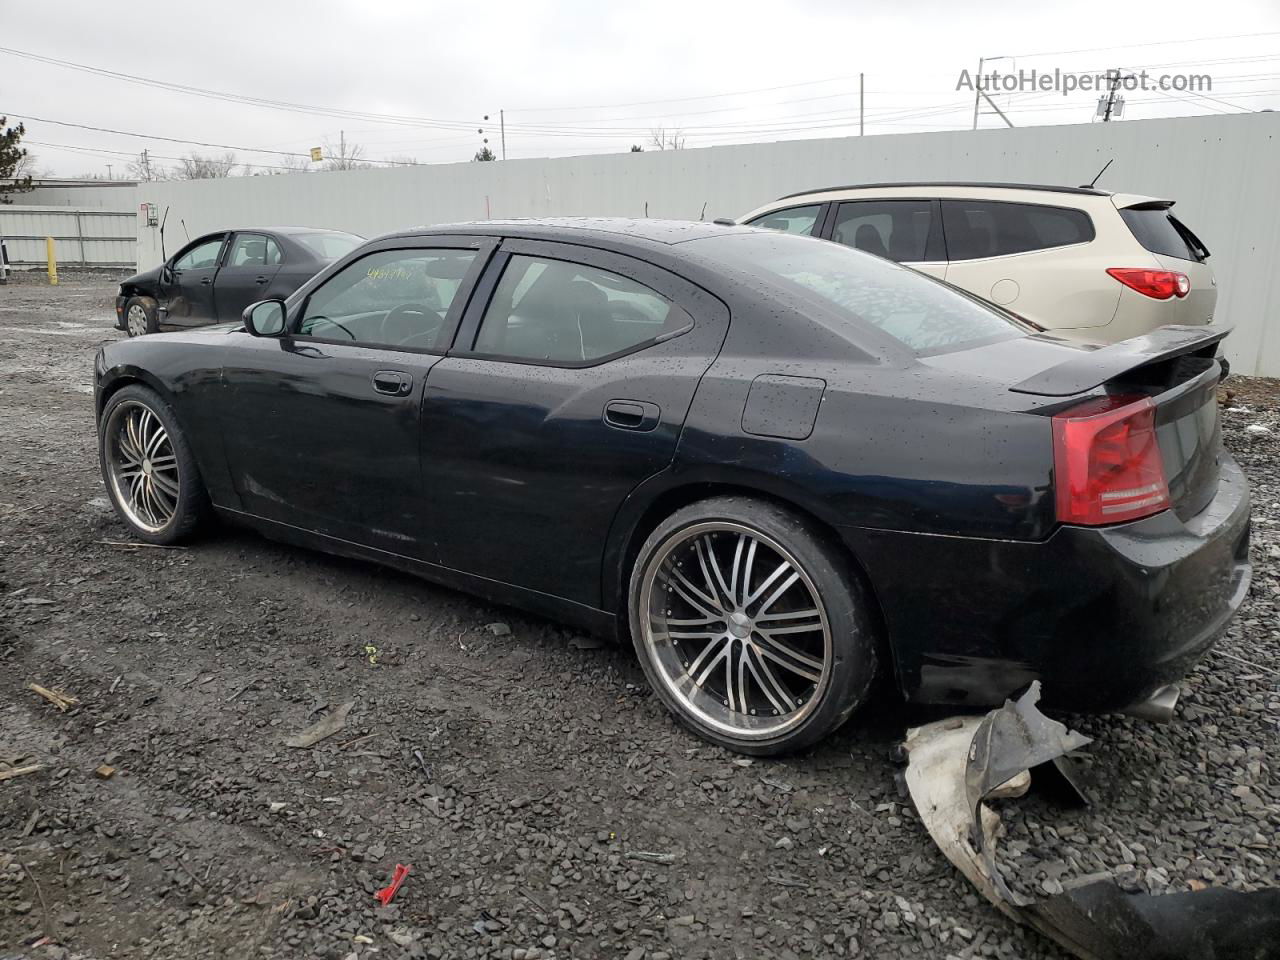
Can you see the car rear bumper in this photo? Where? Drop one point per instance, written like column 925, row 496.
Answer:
column 120, row 317
column 1103, row 617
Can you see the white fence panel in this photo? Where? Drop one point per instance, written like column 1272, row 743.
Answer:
column 82, row 238
column 1221, row 170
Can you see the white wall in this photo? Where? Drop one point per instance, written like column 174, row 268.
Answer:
column 1222, row 171
column 87, row 194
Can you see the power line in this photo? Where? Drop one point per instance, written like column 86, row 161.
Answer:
column 196, row 143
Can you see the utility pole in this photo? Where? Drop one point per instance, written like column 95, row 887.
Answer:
column 109, row 177
column 146, row 166
column 502, row 124
column 1113, row 85
column 977, row 92
column 862, row 102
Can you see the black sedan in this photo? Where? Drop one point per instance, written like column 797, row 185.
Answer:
column 214, row 277
column 782, row 467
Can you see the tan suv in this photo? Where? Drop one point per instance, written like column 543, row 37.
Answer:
column 1081, row 262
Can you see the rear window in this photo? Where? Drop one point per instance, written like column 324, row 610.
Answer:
column 924, row 314
column 329, row 245
column 1163, row 234
column 992, row 228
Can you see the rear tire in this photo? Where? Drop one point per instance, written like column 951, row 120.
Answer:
column 148, row 467
column 752, row 629
column 140, row 317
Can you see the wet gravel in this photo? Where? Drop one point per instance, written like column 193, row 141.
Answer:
column 547, row 805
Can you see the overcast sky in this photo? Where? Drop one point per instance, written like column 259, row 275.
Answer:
column 580, row 77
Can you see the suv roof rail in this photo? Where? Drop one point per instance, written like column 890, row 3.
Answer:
column 955, row 183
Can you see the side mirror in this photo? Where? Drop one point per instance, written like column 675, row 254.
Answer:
column 264, row 318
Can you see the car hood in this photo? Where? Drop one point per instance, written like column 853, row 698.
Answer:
column 147, row 278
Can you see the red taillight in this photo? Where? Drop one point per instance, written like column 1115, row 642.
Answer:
column 1107, row 465
column 1157, row 284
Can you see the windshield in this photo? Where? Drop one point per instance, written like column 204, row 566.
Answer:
column 329, row 245
column 924, row 314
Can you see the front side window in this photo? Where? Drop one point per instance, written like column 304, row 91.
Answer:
column 923, row 313
column 253, row 250
column 893, row 229
column 990, row 228
column 200, row 256
column 561, row 312
column 395, row 298
column 800, row 220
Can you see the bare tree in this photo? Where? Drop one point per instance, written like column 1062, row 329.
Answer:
column 661, row 139
column 199, row 167
column 403, row 161
column 343, row 156
column 484, row 154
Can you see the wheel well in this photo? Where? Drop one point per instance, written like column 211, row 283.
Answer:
column 670, row 501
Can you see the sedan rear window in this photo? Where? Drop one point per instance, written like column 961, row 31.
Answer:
column 1163, row 234
column 329, row 245
column 921, row 312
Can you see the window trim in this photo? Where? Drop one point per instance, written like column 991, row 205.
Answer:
column 1019, row 203
column 482, row 249
column 620, row 264
column 934, row 242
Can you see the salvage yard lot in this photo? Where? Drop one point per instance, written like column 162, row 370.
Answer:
column 548, row 805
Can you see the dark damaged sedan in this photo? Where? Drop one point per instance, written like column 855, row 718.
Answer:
column 780, row 466
column 214, row 277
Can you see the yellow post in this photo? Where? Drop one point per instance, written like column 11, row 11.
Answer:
column 53, row 261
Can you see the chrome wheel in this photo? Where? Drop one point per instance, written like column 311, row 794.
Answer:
column 736, row 629
column 136, row 320
column 142, row 466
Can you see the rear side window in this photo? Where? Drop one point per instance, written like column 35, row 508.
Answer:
column 986, row 228
column 801, row 220
column 556, row 312
column 894, row 229
column 926, row 315
column 1163, row 234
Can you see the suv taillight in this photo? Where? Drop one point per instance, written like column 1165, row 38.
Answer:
column 1107, row 464
column 1157, row 284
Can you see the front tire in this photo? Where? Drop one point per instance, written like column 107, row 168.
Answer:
column 751, row 628
column 140, row 317
column 148, row 467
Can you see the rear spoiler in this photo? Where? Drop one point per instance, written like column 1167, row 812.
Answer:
column 1095, row 368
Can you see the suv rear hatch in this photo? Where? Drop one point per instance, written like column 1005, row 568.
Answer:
column 1174, row 367
column 1175, row 248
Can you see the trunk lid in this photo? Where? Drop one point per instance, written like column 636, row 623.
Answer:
column 1174, row 366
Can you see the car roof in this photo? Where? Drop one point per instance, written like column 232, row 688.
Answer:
column 983, row 184
column 569, row 229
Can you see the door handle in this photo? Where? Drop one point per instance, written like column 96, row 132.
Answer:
column 260, row 280
column 639, row 415
column 392, row 382
column 206, row 281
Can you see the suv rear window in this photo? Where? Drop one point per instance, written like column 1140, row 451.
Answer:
column 1163, row 234
column 993, row 228
column 925, row 314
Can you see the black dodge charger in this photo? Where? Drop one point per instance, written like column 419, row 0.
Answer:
column 782, row 467
column 214, row 277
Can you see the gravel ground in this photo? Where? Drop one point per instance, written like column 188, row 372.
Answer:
column 548, row 776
